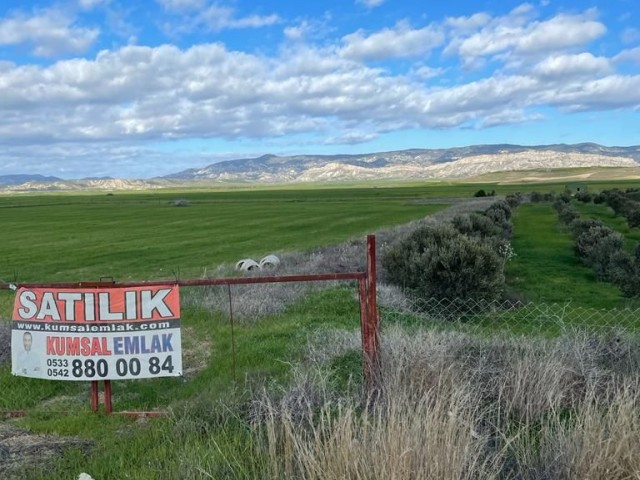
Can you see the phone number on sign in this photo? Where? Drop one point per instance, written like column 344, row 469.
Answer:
column 89, row 368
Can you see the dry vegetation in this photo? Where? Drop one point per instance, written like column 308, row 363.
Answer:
column 457, row 406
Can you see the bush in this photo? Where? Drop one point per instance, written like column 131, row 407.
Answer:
column 565, row 196
column 499, row 206
column 480, row 193
column 624, row 204
column 584, row 197
column 598, row 246
column 627, row 272
column 476, row 225
column 580, row 226
column 602, row 255
column 514, row 200
column 463, row 224
column 624, row 273
column 496, row 215
column 633, row 215
column 567, row 213
column 438, row 262
column 589, row 238
column 536, row 197
column 633, row 194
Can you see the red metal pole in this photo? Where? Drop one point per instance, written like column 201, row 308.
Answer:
column 197, row 282
column 94, row 396
column 364, row 329
column 107, row 397
column 372, row 339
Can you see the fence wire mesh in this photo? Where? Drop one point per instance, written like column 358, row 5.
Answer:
column 507, row 316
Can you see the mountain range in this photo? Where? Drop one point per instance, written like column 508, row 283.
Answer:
column 434, row 164
column 414, row 163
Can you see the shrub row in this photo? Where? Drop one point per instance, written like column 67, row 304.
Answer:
column 461, row 260
column 602, row 248
column 624, row 204
column 537, row 197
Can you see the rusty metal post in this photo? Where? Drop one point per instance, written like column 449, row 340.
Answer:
column 94, row 396
column 371, row 338
column 364, row 329
column 233, row 337
column 108, row 408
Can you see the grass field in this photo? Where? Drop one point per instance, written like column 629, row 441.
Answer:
column 546, row 268
column 139, row 237
column 212, row 430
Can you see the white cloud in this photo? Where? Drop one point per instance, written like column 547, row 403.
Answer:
column 611, row 92
column 508, row 117
column 516, row 34
column 371, row 3
column 208, row 91
column 252, row 21
column 560, row 32
column 567, row 66
column 212, row 18
column 90, row 4
column 182, row 5
column 425, row 72
column 631, row 55
column 351, row 138
column 47, row 32
column 297, row 32
column 466, row 24
column 400, row 41
column 472, row 100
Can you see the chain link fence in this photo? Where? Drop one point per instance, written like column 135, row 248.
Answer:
column 510, row 317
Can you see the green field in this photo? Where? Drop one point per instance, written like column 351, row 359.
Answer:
column 143, row 236
column 546, row 268
column 139, row 236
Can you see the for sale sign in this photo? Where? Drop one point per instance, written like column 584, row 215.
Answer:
column 97, row 334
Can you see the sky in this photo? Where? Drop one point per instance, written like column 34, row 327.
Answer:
column 145, row 88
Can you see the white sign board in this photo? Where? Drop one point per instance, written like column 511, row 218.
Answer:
column 97, row 333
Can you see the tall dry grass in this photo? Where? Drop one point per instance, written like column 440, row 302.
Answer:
column 458, row 406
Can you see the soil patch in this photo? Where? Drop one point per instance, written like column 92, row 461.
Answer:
column 20, row 450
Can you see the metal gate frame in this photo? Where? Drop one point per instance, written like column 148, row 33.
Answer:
column 369, row 318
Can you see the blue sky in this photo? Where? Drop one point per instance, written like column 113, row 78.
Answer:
column 146, row 88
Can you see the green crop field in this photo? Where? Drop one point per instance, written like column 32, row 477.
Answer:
column 144, row 236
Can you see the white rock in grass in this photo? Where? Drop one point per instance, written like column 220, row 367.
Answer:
column 247, row 264
column 270, row 261
column 85, row 476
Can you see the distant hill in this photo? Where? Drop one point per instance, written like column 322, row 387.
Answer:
column 472, row 162
column 415, row 163
column 20, row 179
column 107, row 185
